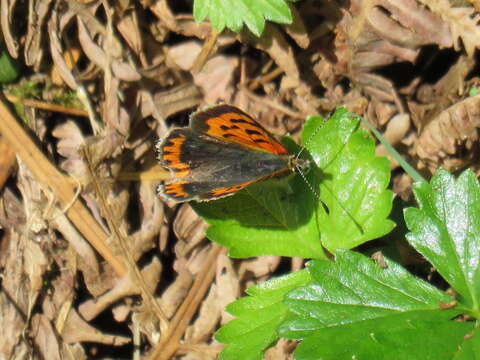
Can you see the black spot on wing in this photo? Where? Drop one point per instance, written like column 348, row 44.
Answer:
column 253, row 132
column 240, row 121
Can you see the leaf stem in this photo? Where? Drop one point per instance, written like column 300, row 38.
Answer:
column 403, row 163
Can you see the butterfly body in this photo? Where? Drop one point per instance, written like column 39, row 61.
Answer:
column 221, row 152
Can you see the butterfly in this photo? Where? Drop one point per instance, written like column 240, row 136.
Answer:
column 222, row 151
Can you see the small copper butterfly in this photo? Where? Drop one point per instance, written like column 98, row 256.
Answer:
column 222, row 151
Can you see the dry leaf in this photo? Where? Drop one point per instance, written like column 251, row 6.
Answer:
column 455, row 128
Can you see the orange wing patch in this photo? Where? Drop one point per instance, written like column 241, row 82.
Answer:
column 233, row 125
column 226, row 191
column 175, row 190
column 170, row 152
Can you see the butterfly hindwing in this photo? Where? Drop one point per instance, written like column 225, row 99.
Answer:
column 228, row 123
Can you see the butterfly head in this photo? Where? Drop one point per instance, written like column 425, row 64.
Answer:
column 300, row 165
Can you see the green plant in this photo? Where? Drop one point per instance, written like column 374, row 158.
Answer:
column 234, row 13
column 351, row 308
column 284, row 217
column 9, row 67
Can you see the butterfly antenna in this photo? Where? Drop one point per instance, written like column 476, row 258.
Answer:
column 355, row 222
column 309, row 140
column 299, row 169
column 315, row 193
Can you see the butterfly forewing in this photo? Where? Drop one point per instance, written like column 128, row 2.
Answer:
column 230, row 124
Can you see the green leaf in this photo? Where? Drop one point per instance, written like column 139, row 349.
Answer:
column 285, row 217
column 402, row 337
column 445, row 229
column 353, row 181
column 470, row 349
column 9, row 68
column 273, row 217
column 234, row 13
column 473, row 91
column 353, row 309
column 258, row 317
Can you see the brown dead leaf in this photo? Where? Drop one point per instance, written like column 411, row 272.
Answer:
column 211, row 310
column 105, row 59
column 34, row 49
column 463, row 23
column 455, row 128
column 395, row 132
column 189, row 229
column 70, row 141
column 77, row 329
column 384, row 32
column 297, row 30
column 397, row 128
column 173, row 296
column 14, row 297
column 447, row 89
column 98, row 283
column 6, row 21
column 144, row 321
column 163, row 104
column 152, row 220
column 377, row 86
column 402, row 186
column 274, row 44
column 124, row 287
column 97, row 28
column 121, row 312
column 283, row 349
column 71, row 57
column 35, row 202
column 228, row 287
column 56, row 50
column 35, row 266
column 184, row 25
column 82, row 248
column 116, row 117
column 208, row 318
column 170, row 342
column 451, row 84
column 73, row 352
column 45, row 338
column 406, row 22
column 195, row 262
column 184, row 54
column 128, row 27
column 215, row 77
column 258, row 267
column 12, row 215
column 379, row 112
